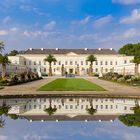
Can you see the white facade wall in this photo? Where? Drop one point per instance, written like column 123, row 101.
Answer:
column 72, row 106
column 104, row 64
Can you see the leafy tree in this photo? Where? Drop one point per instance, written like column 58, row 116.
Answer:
column 130, row 49
column 136, row 60
column 2, row 122
column 91, row 59
column 50, row 58
column 50, row 110
column 91, row 110
column 4, row 61
column 132, row 119
column 1, row 46
column 4, row 109
column 13, row 116
column 13, row 53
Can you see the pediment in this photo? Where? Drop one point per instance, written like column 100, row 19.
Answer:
column 71, row 54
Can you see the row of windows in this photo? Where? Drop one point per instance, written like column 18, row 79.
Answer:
column 75, row 63
column 58, row 69
column 77, row 106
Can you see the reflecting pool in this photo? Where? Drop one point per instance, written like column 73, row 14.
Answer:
column 69, row 118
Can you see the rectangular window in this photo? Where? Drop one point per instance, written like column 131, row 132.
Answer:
column 106, row 63
column 29, row 62
column 101, row 63
column 75, row 62
column 111, row 63
column 39, row 62
column 34, row 62
column 125, row 61
column 96, row 62
column 70, row 62
column 86, row 62
column 81, row 62
column 54, row 63
column 66, row 63
column 59, row 62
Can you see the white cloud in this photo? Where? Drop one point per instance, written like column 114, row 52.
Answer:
column 130, row 33
column 14, row 29
column 50, row 25
column 126, row 2
column 133, row 18
column 83, row 21
column 2, row 137
column 3, row 32
column 103, row 21
column 7, row 19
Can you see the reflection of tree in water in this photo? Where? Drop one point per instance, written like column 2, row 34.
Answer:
column 2, row 122
column 91, row 110
column 50, row 110
column 132, row 119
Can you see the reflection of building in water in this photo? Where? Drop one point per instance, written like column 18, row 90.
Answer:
column 71, row 108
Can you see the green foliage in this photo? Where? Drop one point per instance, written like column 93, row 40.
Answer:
column 91, row 110
column 1, row 46
column 130, row 49
column 2, row 122
column 91, row 58
column 50, row 110
column 136, row 59
column 50, row 58
column 132, row 119
column 4, row 109
column 4, row 60
column 13, row 116
column 13, row 53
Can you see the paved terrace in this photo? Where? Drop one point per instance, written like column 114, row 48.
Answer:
column 113, row 89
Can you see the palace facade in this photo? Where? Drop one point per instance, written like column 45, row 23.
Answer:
column 73, row 61
column 70, row 109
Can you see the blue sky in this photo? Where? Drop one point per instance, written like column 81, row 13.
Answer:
column 69, row 23
column 24, row 130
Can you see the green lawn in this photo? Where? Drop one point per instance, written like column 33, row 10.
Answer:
column 71, row 84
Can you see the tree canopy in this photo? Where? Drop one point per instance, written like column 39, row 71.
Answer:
column 1, row 46
column 50, row 58
column 13, row 53
column 132, row 119
column 4, row 60
column 130, row 49
column 91, row 58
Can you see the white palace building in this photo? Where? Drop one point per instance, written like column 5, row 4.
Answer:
column 74, row 61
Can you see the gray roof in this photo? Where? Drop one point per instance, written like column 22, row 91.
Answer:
column 67, row 118
column 65, row 51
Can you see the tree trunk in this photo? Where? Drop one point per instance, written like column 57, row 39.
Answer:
column 50, row 69
column 3, row 70
column 62, row 71
column 136, row 70
column 90, row 70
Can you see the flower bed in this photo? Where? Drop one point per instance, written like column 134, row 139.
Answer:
column 125, row 79
column 19, row 79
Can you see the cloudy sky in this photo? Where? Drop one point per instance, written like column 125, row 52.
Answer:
column 24, row 130
column 69, row 23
